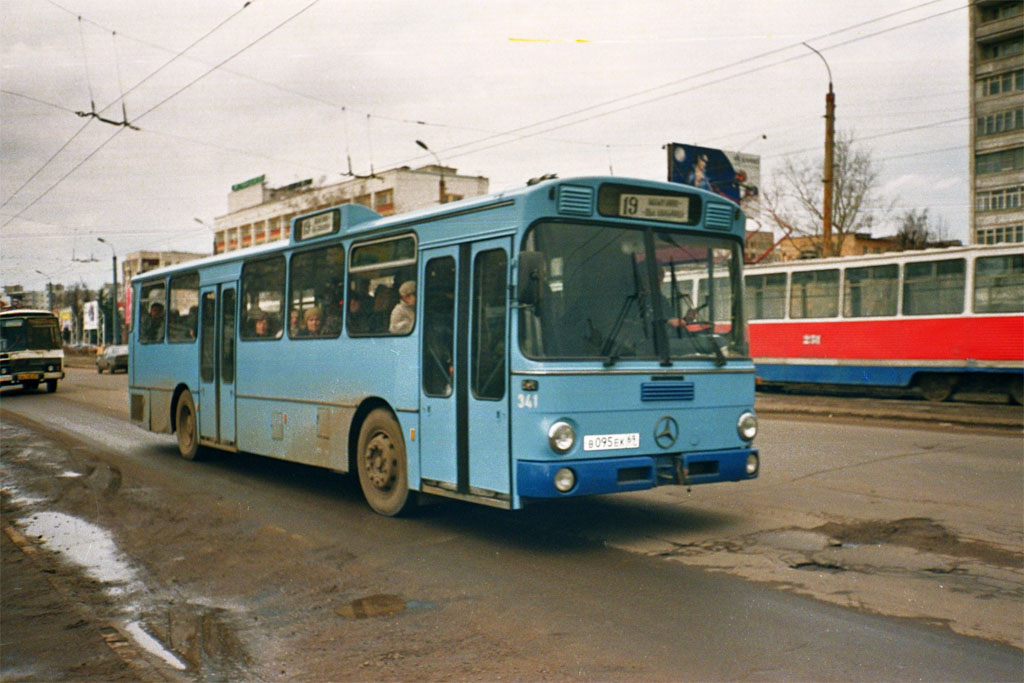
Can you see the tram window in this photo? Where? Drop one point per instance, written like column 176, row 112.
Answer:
column 870, row 291
column 316, row 293
column 722, row 297
column 262, row 296
column 765, row 296
column 999, row 284
column 377, row 273
column 438, row 326
column 934, row 287
column 815, row 294
column 152, row 312
column 490, row 275
column 183, row 312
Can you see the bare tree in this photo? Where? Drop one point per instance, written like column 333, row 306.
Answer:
column 917, row 232
column 796, row 199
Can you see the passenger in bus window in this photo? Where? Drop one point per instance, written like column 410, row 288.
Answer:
column 261, row 326
column 295, row 328
column 153, row 325
column 384, row 300
column 403, row 316
column 313, row 319
column 359, row 311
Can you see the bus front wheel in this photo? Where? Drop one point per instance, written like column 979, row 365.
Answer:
column 381, row 462
column 187, row 426
column 51, row 386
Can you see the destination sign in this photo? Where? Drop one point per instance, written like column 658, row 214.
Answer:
column 673, row 209
column 317, row 225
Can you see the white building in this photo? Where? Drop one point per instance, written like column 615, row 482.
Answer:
column 258, row 213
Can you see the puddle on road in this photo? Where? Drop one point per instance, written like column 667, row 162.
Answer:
column 152, row 645
column 379, row 605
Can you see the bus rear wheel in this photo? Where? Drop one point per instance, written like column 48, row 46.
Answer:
column 187, row 426
column 382, row 466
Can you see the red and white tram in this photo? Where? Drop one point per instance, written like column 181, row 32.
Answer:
column 938, row 320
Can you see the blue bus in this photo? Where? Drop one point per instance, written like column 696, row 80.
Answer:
column 530, row 345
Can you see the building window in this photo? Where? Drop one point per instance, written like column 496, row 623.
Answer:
column 1001, row 11
column 1000, row 235
column 1000, row 84
column 384, row 202
column 1000, row 199
column 363, row 200
column 996, row 162
column 1004, row 48
column 1001, row 122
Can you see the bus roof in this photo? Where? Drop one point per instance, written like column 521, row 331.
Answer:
column 362, row 220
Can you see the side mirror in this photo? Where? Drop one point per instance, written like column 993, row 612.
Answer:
column 530, row 279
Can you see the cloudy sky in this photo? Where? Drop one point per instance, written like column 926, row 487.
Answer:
column 223, row 90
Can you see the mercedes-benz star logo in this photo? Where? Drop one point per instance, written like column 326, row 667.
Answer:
column 666, row 431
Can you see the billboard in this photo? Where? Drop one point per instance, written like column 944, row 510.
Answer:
column 729, row 174
column 91, row 315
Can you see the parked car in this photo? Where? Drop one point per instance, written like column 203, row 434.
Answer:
column 113, row 358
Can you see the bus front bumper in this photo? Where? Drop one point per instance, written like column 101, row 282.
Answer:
column 636, row 473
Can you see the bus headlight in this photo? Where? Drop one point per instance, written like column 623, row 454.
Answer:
column 747, row 426
column 561, row 436
column 752, row 464
column 565, row 479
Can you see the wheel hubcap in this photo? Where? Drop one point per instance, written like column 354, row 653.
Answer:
column 381, row 464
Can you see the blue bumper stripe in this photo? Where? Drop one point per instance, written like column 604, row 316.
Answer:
column 612, row 475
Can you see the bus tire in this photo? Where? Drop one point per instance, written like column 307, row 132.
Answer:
column 382, row 465
column 187, row 426
column 51, row 386
column 30, row 386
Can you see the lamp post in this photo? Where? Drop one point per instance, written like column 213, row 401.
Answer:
column 49, row 289
column 114, row 332
column 830, row 130
column 443, row 197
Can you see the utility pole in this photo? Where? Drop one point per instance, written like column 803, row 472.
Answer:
column 113, row 296
column 49, row 289
column 443, row 196
column 830, row 134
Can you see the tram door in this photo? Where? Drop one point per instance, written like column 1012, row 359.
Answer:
column 464, row 398
column 217, row 364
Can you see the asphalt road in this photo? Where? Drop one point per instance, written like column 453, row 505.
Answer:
column 610, row 587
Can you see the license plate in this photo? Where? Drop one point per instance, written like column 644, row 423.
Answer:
column 608, row 442
column 27, row 376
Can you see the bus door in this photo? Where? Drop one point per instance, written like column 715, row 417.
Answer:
column 464, row 402
column 217, row 364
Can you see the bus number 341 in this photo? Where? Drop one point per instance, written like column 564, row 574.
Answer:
column 527, row 400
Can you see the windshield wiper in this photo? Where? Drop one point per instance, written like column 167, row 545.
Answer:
column 609, row 343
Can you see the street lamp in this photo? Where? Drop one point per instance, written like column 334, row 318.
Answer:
column 49, row 289
column 114, row 332
column 830, row 130
column 443, row 197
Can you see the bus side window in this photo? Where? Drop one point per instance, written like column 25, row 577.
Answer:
column 377, row 272
column 316, row 292
column 152, row 312
column 438, row 326
column 183, row 313
column 262, row 299
column 490, row 278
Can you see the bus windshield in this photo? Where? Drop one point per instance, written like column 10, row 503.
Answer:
column 621, row 293
column 29, row 333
